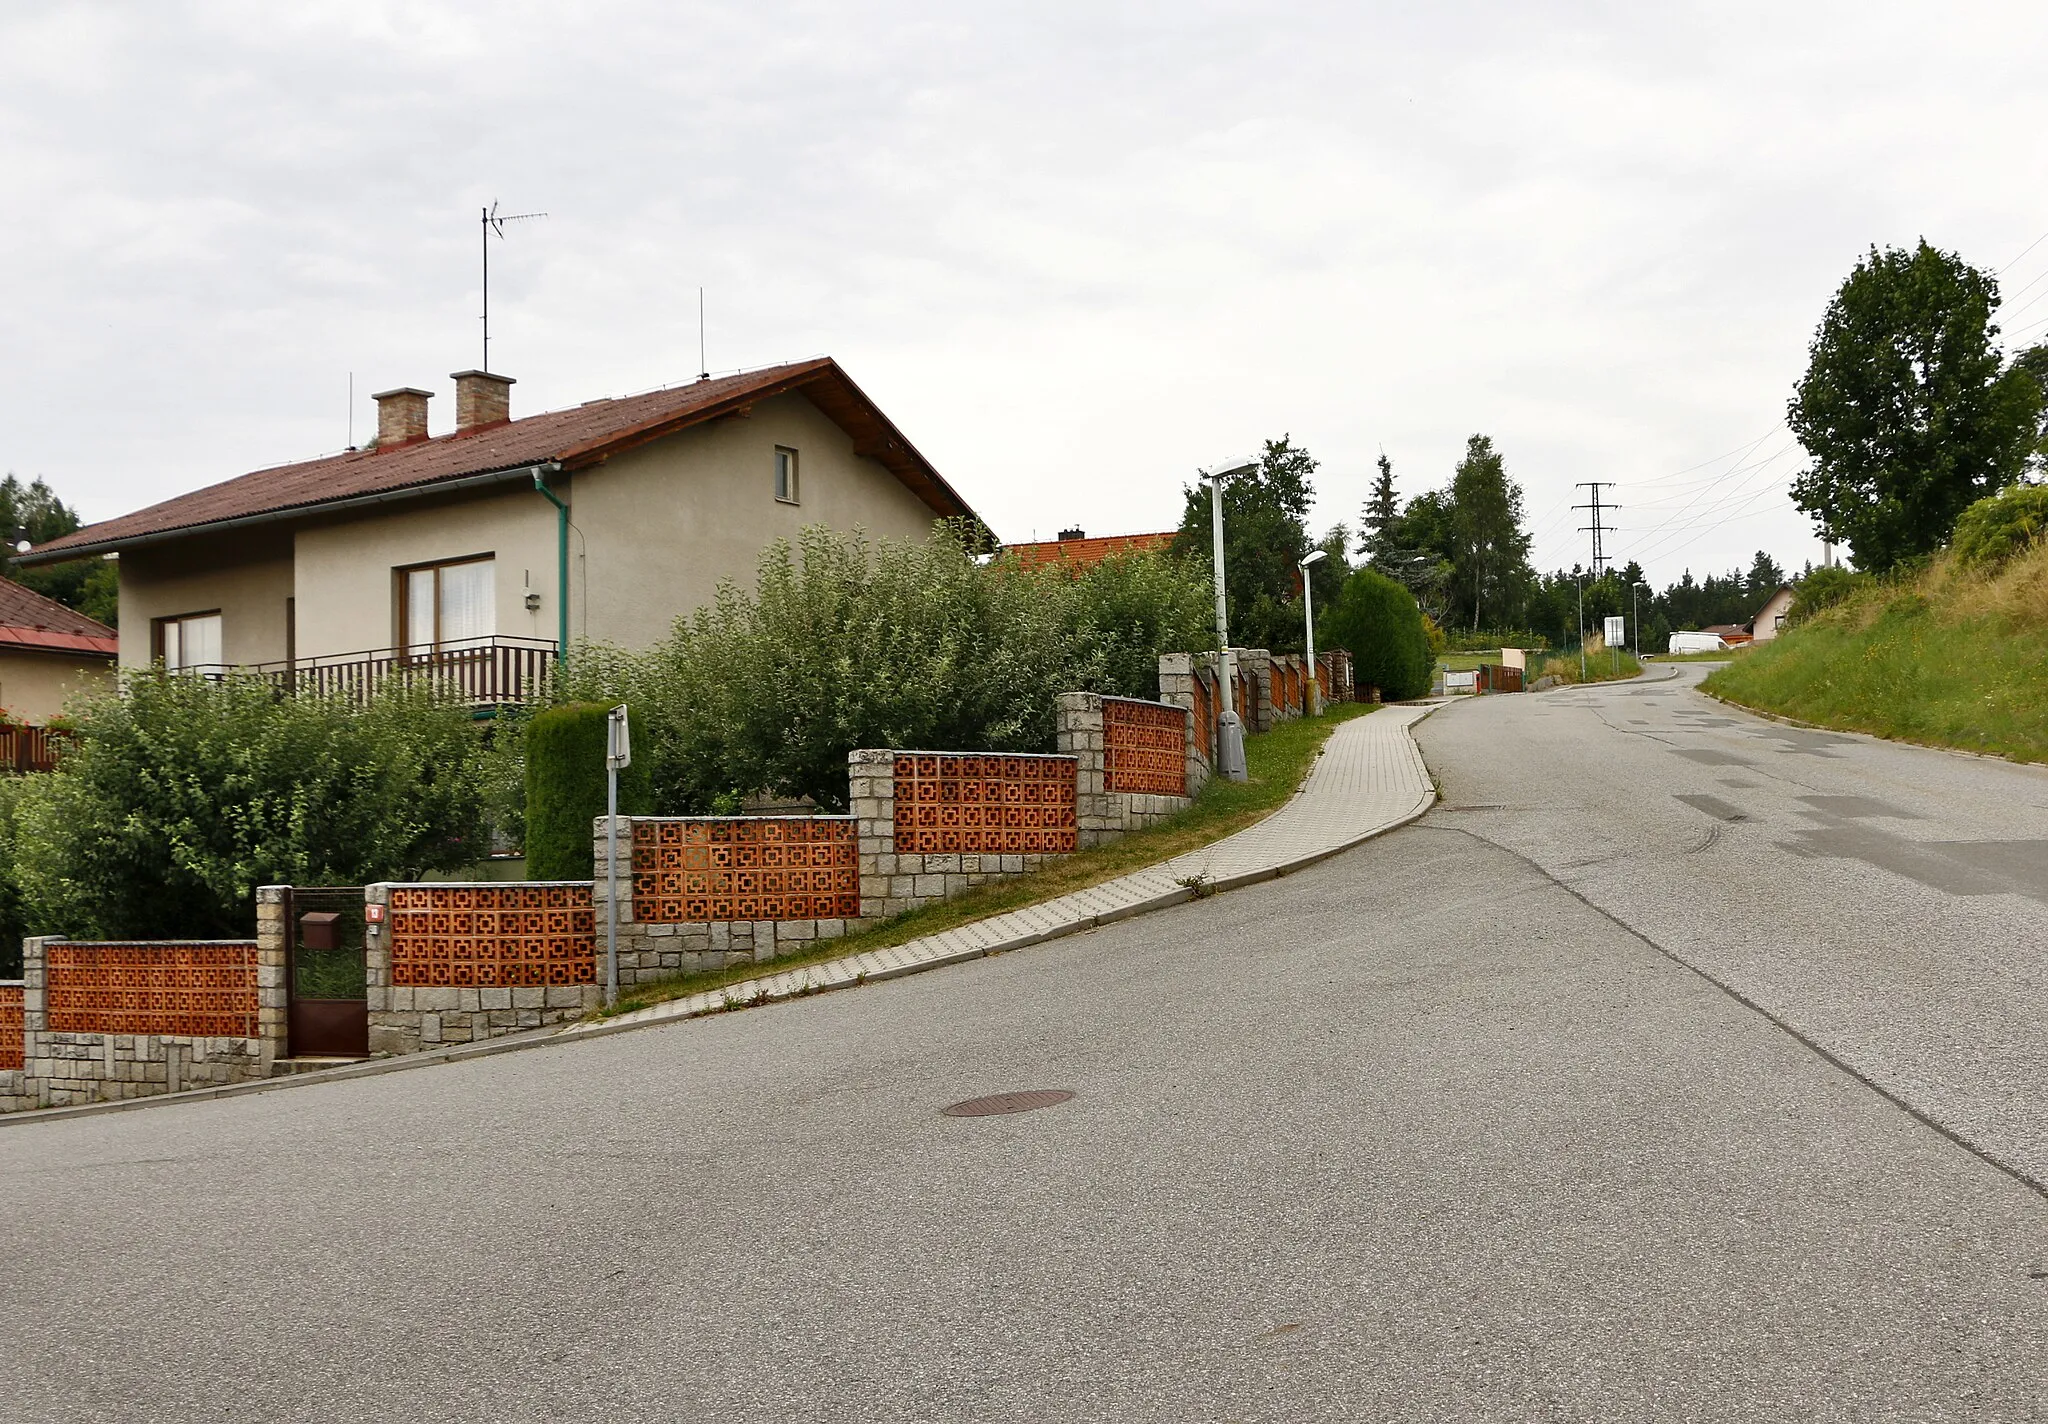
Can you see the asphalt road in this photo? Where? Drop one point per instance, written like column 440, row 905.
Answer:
column 1426, row 1132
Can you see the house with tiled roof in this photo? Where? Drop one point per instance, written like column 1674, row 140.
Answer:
column 492, row 546
column 1076, row 551
column 47, row 653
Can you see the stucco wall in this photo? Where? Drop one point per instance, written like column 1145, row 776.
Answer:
column 246, row 574
column 348, row 593
column 34, row 686
column 666, row 523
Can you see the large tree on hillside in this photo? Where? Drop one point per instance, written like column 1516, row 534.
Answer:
column 1906, row 409
column 2034, row 361
column 1490, row 554
column 1265, row 536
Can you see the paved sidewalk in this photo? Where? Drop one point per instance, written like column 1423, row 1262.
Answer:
column 1369, row 779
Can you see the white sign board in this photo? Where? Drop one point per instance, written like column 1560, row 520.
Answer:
column 1617, row 632
column 618, row 742
column 1514, row 658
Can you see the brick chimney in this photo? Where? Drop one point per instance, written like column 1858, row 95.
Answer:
column 481, row 399
column 401, row 416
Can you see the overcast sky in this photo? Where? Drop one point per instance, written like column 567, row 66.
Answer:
column 1074, row 250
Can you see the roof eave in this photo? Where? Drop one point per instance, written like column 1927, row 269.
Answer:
column 294, row 511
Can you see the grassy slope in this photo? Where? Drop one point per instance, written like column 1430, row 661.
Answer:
column 1947, row 659
column 1601, row 666
column 1275, row 765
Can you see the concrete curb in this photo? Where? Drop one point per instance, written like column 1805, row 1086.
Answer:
column 731, row 995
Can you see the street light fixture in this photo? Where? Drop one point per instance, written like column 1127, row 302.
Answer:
column 1229, row 727
column 1308, row 613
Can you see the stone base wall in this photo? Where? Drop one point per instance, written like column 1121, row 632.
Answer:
column 411, row 1018
column 75, row 1066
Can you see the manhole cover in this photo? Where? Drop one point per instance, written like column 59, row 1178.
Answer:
column 1008, row 1103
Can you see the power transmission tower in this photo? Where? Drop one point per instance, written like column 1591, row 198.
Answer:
column 1596, row 528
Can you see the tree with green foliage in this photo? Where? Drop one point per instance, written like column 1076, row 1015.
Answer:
column 1380, row 624
column 1993, row 531
column 566, row 787
column 1490, row 549
column 1382, row 512
column 1906, row 409
column 1265, row 536
column 2034, row 362
column 179, row 795
column 92, row 586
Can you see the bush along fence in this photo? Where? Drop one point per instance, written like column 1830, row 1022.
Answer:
column 457, row 963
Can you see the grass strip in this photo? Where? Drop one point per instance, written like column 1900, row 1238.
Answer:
column 1276, row 763
column 1602, row 666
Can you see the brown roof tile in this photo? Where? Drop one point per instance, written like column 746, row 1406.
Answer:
column 1086, row 553
column 576, row 438
column 29, row 620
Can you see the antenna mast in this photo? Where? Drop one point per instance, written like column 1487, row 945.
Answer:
column 495, row 224
column 703, row 366
column 1596, row 528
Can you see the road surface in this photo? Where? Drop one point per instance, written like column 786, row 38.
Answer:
column 1448, row 1127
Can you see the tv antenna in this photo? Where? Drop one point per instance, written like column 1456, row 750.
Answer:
column 1596, row 528
column 493, row 223
column 703, row 366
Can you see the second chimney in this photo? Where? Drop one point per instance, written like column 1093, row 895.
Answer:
column 401, row 416
column 481, row 399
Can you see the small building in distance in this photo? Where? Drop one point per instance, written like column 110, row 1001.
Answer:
column 48, row 652
column 1732, row 635
column 1770, row 619
column 1077, row 552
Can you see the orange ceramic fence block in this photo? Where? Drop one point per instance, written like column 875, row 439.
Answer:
column 1144, row 748
column 187, row 990
column 10, row 1028
column 965, row 804
column 487, row 936
column 704, row 869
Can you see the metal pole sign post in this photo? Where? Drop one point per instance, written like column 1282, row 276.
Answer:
column 1617, row 634
column 618, row 753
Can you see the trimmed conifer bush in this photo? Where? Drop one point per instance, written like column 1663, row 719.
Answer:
column 565, row 787
column 1382, row 626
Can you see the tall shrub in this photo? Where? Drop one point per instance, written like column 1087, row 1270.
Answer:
column 1993, row 530
column 849, row 643
column 566, row 791
column 1382, row 626
column 179, row 796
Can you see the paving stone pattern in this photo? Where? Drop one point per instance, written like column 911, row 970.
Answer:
column 1369, row 779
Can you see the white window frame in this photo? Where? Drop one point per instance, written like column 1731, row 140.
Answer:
column 789, row 491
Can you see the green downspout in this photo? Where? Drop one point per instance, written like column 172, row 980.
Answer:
column 561, row 565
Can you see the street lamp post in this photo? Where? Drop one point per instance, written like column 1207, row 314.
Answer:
column 1229, row 727
column 1637, row 616
column 1581, row 578
column 1308, row 613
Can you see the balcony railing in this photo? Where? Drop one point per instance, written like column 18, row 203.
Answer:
column 24, row 749
column 485, row 672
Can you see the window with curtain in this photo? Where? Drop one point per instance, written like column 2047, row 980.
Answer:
column 448, row 605
column 190, row 640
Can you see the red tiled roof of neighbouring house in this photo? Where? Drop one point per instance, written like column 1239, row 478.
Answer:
column 29, row 620
column 1725, row 631
column 1086, row 553
column 577, row 438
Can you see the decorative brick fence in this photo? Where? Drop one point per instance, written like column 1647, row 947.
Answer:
column 705, row 892
column 934, row 824
column 1136, row 763
column 124, row 1019
column 460, row 962
column 14, row 1094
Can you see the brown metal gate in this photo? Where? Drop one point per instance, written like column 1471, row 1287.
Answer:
column 328, row 1016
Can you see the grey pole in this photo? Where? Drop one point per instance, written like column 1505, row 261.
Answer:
column 611, row 871
column 1229, row 726
column 1308, row 612
column 1582, row 629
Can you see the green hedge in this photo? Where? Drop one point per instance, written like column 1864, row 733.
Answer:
column 565, row 787
column 1380, row 623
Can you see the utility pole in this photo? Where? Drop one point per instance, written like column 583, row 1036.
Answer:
column 1596, row 528
column 1636, row 616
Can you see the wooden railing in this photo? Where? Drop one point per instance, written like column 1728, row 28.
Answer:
column 491, row 672
column 24, row 749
